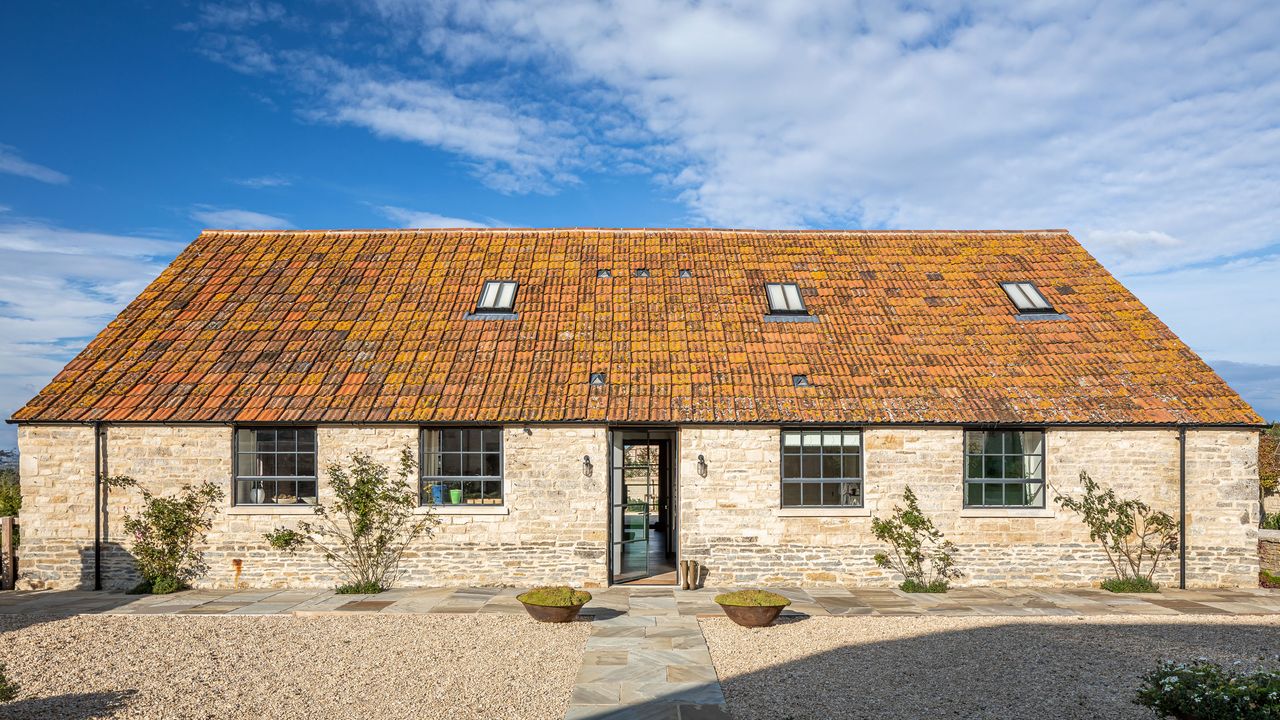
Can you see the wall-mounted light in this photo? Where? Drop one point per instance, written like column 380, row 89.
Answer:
column 702, row 465
column 586, row 466
column 528, row 431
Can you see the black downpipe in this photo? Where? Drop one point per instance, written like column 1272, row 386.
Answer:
column 1182, row 507
column 97, row 505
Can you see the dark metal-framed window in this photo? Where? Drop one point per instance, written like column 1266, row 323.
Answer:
column 821, row 468
column 1004, row 468
column 461, row 466
column 784, row 299
column 275, row 465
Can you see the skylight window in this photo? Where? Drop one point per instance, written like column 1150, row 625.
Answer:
column 497, row 296
column 784, row 299
column 1026, row 298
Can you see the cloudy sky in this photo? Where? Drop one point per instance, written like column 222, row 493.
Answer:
column 1151, row 130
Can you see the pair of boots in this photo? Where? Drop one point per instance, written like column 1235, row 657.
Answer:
column 689, row 571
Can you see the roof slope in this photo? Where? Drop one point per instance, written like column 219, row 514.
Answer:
column 369, row 326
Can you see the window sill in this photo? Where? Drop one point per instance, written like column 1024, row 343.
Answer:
column 822, row 512
column 1006, row 513
column 299, row 509
column 463, row 510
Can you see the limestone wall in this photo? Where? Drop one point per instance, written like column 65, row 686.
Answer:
column 553, row 526
column 731, row 522
column 551, row 530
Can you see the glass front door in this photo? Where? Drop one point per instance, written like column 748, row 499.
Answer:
column 636, row 477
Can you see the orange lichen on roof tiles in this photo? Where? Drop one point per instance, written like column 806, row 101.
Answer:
column 370, row 326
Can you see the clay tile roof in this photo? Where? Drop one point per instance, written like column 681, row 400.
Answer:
column 371, row 326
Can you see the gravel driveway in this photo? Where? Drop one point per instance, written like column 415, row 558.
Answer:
column 944, row 667
column 366, row 666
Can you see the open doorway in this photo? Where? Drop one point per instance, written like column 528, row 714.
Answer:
column 642, row 507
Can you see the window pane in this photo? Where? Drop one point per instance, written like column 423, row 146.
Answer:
column 507, row 296
column 974, row 466
column 451, row 440
column 993, row 494
column 831, row 494
column 974, row 494
column 471, row 490
column 307, row 465
column 286, row 465
column 852, row 441
column 851, row 493
column 1032, row 442
column 492, row 465
column 244, row 440
column 790, row 440
column 790, row 466
column 777, row 301
column 266, row 465
column 793, row 297
column 1033, row 467
column 812, row 493
column 472, row 464
column 974, row 441
column 993, row 445
column 812, row 440
column 1013, row 466
column 1013, row 442
column 851, row 469
column 1035, row 494
column 450, row 464
column 831, row 468
column 286, row 440
column 471, row 441
column 1014, row 494
column 992, row 468
column 831, row 440
column 488, row 295
column 307, row 491
column 791, row 493
column 493, row 440
column 246, row 464
column 812, row 467
column 306, row 440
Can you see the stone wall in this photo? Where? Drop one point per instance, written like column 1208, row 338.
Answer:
column 1269, row 551
column 730, row 520
column 551, row 530
column 553, row 526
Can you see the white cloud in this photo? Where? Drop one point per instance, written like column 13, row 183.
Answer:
column 264, row 181
column 233, row 219
column 58, row 288
column 422, row 219
column 13, row 164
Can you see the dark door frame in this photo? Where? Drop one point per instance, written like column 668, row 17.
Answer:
column 668, row 485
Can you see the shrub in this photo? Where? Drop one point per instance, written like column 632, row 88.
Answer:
column 558, row 596
column 369, row 525
column 167, row 534
column 919, row 552
column 10, row 490
column 915, row 586
column 1269, row 460
column 1268, row 579
column 1271, row 521
column 1204, row 690
column 367, row 588
column 8, row 688
column 752, row 598
column 1130, row 585
column 1134, row 537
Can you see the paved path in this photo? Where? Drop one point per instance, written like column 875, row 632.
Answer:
column 646, row 658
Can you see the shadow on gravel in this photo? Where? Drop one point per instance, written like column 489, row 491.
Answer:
column 1074, row 670
column 81, row 706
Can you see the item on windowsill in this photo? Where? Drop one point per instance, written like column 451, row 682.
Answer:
column 309, row 499
column 752, row 608
column 257, row 495
column 286, row 499
column 559, row 604
column 455, row 497
column 437, row 494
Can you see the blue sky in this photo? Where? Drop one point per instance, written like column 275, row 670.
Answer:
column 1153, row 133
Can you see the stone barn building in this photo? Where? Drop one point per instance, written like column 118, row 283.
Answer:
column 589, row 406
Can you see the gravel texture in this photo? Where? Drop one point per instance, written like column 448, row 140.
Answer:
column 365, row 666
column 966, row 667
